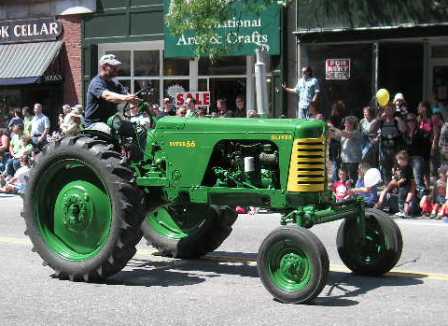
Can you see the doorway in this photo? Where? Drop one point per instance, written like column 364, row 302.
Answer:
column 439, row 81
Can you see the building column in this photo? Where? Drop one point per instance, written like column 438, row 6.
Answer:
column 72, row 69
column 375, row 67
column 427, row 73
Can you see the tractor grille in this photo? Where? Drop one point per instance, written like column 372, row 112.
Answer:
column 307, row 170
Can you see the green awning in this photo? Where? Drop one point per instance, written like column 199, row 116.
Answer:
column 24, row 64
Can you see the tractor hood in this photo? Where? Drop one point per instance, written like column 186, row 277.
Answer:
column 298, row 128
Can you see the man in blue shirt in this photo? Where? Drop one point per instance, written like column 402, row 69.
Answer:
column 104, row 93
column 307, row 90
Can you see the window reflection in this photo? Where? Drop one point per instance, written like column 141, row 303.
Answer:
column 146, row 63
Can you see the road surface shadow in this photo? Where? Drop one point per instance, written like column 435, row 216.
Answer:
column 341, row 290
column 352, row 286
column 153, row 274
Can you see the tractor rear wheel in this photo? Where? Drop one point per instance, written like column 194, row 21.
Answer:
column 188, row 231
column 379, row 252
column 293, row 264
column 82, row 213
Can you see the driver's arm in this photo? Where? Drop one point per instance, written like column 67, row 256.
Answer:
column 118, row 98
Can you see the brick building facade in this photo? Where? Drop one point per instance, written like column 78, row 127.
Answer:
column 41, row 54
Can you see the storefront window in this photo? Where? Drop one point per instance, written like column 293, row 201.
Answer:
column 202, row 85
column 223, row 66
column 176, row 67
column 185, row 84
column 146, row 63
column 125, row 58
column 356, row 92
column 126, row 84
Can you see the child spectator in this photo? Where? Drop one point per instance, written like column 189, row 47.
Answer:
column 403, row 181
column 336, row 121
column 436, row 203
column 27, row 120
column 18, row 183
column 370, row 194
column 341, row 188
column 315, row 113
column 351, row 151
column 17, row 119
column 16, row 150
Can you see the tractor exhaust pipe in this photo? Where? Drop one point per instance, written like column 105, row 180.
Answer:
column 260, row 82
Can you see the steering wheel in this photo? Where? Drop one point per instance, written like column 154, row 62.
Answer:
column 146, row 91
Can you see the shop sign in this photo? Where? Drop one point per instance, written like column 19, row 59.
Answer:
column 53, row 78
column 239, row 36
column 337, row 69
column 201, row 98
column 30, row 30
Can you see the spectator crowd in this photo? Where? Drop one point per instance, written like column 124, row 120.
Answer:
column 409, row 146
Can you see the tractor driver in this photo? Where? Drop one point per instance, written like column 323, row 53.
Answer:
column 104, row 93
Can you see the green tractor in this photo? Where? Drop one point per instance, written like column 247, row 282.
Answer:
column 91, row 198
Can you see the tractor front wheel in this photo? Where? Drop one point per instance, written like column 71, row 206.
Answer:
column 293, row 264
column 380, row 249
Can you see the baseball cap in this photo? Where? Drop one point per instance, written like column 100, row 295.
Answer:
column 399, row 97
column 109, row 59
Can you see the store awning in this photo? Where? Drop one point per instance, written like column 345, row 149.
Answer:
column 25, row 64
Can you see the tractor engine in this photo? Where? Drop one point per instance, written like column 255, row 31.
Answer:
column 245, row 164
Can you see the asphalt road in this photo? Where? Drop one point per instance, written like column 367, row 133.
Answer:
column 224, row 289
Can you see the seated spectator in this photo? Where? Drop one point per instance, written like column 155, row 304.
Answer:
column 240, row 105
column 315, row 113
column 4, row 147
column 370, row 194
column 403, row 181
column 17, row 119
column 18, row 183
column 181, row 111
column 16, row 150
column 168, row 108
column 71, row 125
column 66, row 109
column 341, row 188
column 139, row 118
column 222, row 110
column 436, row 203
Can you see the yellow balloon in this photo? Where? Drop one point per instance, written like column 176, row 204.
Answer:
column 383, row 97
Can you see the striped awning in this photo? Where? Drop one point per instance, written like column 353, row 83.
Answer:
column 24, row 64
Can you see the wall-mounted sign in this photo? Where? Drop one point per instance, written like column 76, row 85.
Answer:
column 337, row 69
column 53, row 78
column 240, row 35
column 30, row 30
column 201, row 98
